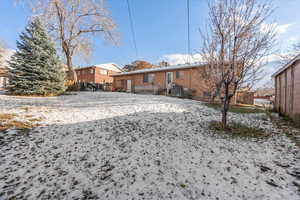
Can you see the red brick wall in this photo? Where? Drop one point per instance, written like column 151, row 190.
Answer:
column 85, row 75
column 190, row 79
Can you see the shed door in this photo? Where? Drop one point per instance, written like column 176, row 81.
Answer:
column 128, row 85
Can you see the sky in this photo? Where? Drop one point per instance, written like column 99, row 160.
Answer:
column 160, row 29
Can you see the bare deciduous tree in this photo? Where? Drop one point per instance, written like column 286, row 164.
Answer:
column 72, row 22
column 294, row 50
column 235, row 45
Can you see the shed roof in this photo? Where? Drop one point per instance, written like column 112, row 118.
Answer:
column 159, row 69
column 291, row 62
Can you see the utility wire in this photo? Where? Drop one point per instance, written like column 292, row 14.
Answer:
column 188, row 31
column 132, row 29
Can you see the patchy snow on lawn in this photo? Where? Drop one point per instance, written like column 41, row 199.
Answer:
column 123, row 146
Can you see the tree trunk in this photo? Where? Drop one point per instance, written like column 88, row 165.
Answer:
column 71, row 75
column 71, row 72
column 215, row 93
column 226, row 101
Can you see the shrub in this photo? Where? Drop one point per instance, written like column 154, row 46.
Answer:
column 296, row 120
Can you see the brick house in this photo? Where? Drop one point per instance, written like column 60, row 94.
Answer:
column 3, row 77
column 97, row 73
column 157, row 79
column 287, row 88
column 4, row 58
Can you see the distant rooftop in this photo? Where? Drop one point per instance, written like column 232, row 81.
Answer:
column 107, row 66
column 158, row 69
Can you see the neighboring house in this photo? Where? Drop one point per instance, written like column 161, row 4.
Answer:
column 244, row 97
column 97, row 73
column 287, row 88
column 4, row 58
column 158, row 80
column 264, row 93
column 3, row 77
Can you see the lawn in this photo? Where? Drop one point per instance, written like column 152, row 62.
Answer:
column 237, row 108
column 106, row 145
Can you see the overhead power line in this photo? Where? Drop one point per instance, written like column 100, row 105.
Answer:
column 132, row 29
column 188, row 31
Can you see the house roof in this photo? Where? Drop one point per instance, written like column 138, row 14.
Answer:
column 107, row 66
column 291, row 62
column 159, row 69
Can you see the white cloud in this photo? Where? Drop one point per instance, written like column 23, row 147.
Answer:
column 272, row 58
column 176, row 59
column 282, row 28
column 278, row 28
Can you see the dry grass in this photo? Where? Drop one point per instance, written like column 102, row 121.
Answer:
column 9, row 121
column 238, row 130
column 28, row 116
column 26, row 108
column 7, row 116
column 35, row 119
column 239, row 108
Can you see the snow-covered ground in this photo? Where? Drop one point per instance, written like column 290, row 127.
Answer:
column 125, row 146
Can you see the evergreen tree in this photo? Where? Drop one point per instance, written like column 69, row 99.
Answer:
column 35, row 68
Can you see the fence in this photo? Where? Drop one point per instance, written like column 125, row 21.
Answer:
column 85, row 86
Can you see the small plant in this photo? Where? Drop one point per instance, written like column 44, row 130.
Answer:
column 296, row 120
column 238, row 130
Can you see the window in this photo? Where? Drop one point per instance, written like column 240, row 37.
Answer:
column 78, row 72
column 91, row 71
column 179, row 74
column 123, row 83
column 148, row 78
column 103, row 72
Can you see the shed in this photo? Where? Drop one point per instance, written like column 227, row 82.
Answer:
column 287, row 88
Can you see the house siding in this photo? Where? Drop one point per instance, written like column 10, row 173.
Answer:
column 3, row 78
column 296, row 98
column 287, row 90
column 190, row 79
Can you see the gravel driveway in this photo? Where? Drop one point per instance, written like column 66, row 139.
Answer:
column 105, row 145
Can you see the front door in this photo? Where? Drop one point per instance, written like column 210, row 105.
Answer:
column 169, row 78
column 128, row 85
